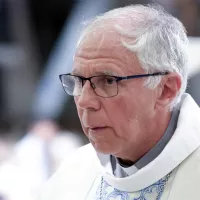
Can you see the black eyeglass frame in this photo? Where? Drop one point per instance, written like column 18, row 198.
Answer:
column 117, row 79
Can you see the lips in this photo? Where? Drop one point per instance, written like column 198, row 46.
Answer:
column 92, row 124
column 98, row 128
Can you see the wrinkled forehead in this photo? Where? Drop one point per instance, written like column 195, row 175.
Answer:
column 104, row 37
column 103, row 43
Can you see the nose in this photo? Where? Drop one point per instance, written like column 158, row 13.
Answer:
column 88, row 98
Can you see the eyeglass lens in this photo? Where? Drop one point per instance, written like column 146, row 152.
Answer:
column 104, row 86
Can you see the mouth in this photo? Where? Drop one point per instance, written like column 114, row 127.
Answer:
column 97, row 128
column 97, row 134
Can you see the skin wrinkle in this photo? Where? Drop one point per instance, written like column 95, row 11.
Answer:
column 99, row 62
column 107, row 71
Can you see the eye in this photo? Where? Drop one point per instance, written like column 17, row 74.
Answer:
column 77, row 81
column 104, row 81
column 109, row 80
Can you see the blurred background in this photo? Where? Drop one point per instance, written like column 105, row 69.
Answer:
column 39, row 126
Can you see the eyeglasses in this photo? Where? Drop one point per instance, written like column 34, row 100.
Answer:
column 103, row 85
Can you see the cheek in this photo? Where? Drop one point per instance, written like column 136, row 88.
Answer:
column 124, row 117
column 126, row 108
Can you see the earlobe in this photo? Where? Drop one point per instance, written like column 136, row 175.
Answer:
column 168, row 89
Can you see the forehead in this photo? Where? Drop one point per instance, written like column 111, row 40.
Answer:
column 103, row 38
column 105, row 30
column 104, row 45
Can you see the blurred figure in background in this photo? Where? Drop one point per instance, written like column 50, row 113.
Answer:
column 194, row 70
column 194, row 86
column 34, row 158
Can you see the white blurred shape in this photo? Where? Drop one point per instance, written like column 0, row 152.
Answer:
column 194, row 58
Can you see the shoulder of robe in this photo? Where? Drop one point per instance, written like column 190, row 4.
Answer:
column 83, row 156
column 186, row 184
column 78, row 171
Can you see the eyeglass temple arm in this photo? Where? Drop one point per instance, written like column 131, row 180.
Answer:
column 142, row 75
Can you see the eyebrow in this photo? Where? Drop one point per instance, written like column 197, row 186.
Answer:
column 109, row 72
column 104, row 72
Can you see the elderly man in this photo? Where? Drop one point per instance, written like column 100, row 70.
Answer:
column 128, row 81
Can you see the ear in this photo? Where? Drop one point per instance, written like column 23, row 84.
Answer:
column 168, row 89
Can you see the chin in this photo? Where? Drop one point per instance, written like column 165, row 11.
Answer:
column 102, row 147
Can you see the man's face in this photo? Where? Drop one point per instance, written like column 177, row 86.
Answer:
column 121, row 123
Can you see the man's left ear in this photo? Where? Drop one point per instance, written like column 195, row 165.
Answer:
column 168, row 88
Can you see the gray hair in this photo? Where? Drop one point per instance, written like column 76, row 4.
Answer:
column 158, row 39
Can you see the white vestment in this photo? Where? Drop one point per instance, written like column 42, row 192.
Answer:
column 173, row 175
